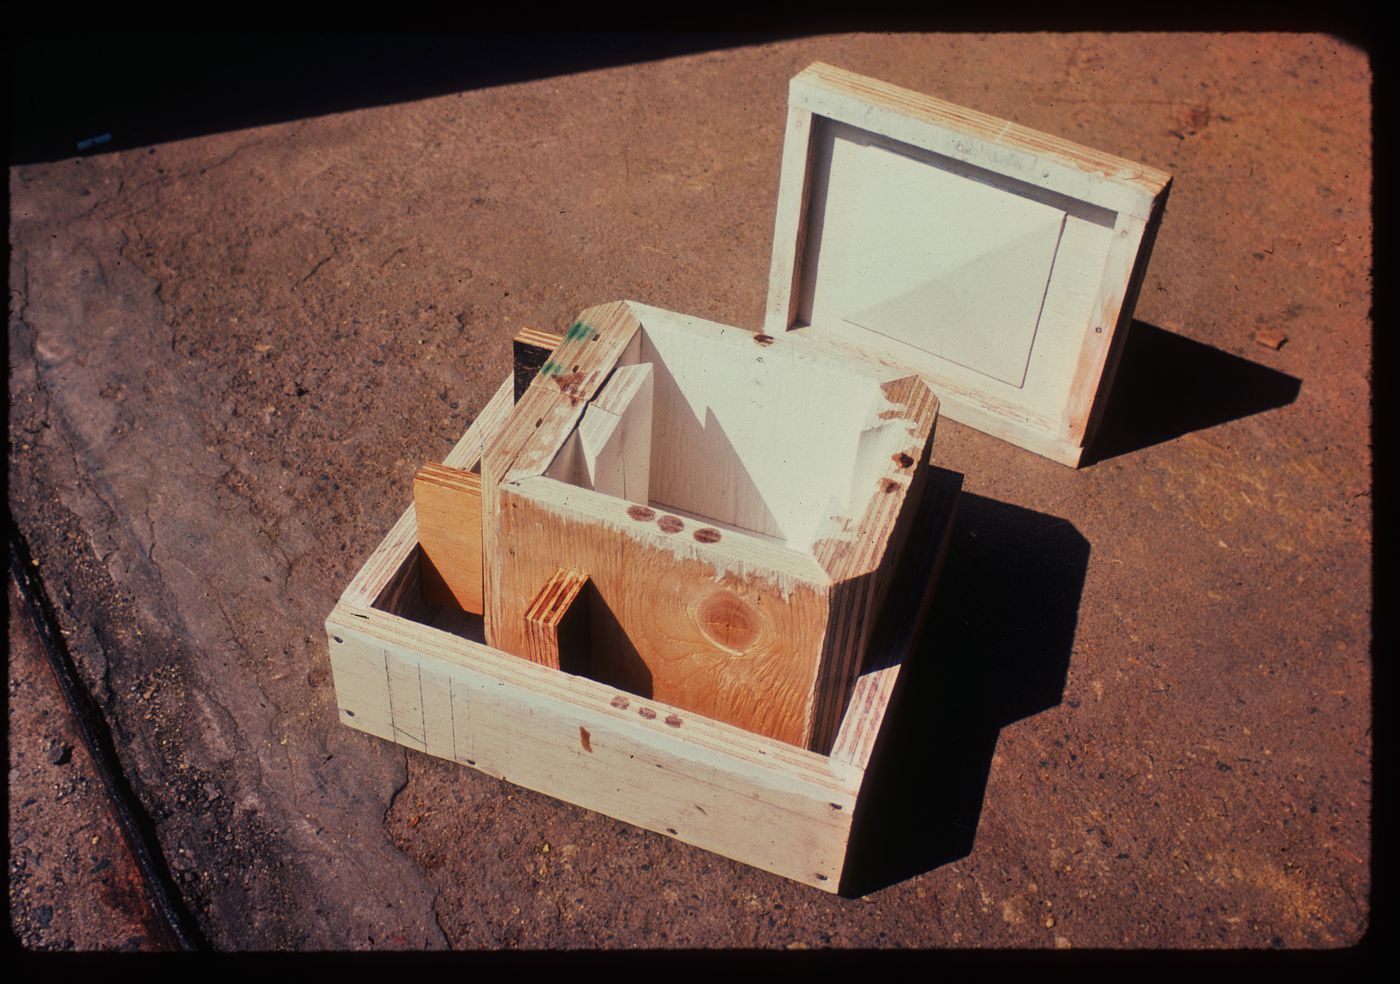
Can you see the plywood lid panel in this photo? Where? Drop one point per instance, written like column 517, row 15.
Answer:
column 997, row 261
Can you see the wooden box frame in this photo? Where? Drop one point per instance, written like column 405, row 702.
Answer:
column 409, row 673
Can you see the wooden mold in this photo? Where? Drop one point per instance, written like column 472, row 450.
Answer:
column 421, row 674
column 737, row 505
column 673, row 569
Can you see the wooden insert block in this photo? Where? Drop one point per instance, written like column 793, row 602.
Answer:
column 556, row 624
column 737, row 567
column 448, row 503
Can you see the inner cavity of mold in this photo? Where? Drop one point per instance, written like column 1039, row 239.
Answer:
column 699, row 421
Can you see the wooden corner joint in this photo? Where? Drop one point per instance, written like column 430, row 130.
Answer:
column 530, row 350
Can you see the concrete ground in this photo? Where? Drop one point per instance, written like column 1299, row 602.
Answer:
column 1142, row 716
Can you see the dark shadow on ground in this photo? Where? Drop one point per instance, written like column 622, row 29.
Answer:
column 1168, row 385
column 148, row 89
column 996, row 649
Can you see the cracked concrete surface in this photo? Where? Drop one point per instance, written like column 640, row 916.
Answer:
column 229, row 354
column 226, row 641
column 74, row 883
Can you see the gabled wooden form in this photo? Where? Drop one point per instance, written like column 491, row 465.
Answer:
column 1001, row 263
column 738, row 504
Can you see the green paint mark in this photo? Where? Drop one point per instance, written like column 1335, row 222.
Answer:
column 551, row 369
column 580, row 332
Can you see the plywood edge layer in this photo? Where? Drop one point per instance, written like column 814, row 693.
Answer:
column 530, row 350
column 538, row 338
column 447, row 477
column 901, row 626
column 556, row 623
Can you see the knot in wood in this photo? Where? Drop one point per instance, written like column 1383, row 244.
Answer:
column 728, row 621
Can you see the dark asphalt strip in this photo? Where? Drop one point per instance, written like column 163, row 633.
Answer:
column 131, row 816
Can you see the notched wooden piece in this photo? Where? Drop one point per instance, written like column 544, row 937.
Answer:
column 556, row 624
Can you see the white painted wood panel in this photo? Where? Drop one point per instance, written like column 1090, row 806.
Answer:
column 1019, row 344
column 760, row 435
column 920, row 232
